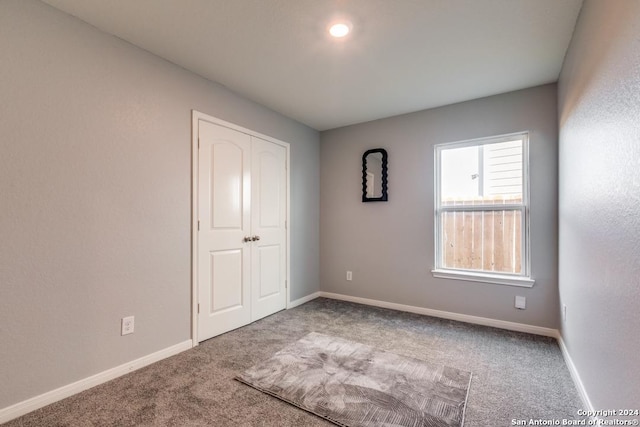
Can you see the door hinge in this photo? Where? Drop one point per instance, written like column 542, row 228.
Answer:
column 198, row 143
column 198, row 308
column 198, row 225
column 286, row 284
column 285, row 224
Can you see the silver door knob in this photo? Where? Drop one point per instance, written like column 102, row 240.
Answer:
column 254, row 238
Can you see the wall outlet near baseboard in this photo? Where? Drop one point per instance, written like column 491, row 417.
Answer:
column 349, row 276
column 127, row 325
column 521, row 303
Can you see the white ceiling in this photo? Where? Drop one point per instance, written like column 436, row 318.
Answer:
column 402, row 55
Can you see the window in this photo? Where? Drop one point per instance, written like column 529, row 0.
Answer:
column 482, row 209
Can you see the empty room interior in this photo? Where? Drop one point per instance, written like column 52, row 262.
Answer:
column 194, row 192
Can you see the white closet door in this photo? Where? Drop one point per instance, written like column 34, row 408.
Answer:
column 242, row 237
column 268, row 223
column 224, row 204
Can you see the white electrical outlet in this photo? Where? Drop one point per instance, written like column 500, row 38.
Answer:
column 349, row 276
column 564, row 312
column 521, row 303
column 127, row 325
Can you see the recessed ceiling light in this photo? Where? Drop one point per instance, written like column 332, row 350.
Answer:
column 340, row 29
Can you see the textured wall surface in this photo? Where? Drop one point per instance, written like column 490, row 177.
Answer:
column 95, row 198
column 389, row 246
column 599, row 276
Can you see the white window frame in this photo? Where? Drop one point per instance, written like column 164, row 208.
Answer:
column 523, row 279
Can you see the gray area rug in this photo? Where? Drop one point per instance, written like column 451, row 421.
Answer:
column 352, row 384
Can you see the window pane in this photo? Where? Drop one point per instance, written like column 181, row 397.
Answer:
column 489, row 173
column 488, row 241
column 503, row 170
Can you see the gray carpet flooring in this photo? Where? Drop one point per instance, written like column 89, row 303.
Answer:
column 515, row 375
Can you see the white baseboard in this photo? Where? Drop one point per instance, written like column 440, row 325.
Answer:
column 37, row 402
column 303, row 300
column 502, row 324
column 582, row 391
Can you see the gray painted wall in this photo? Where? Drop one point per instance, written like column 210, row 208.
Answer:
column 95, row 193
column 599, row 114
column 389, row 246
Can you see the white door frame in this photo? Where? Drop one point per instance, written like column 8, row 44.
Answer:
column 195, row 131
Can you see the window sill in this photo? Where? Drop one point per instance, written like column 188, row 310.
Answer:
column 497, row 279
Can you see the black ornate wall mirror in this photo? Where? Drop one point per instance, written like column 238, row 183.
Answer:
column 374, row 175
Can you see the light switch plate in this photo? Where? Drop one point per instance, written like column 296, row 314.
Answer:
column 521, row 303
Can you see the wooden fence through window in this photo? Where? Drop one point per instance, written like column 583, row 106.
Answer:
column 482, row 240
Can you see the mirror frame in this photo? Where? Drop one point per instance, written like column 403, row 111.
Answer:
column 384, row 196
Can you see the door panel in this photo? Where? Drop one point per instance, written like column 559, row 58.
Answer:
column 268, row 189
column 224, row 260
column 226, row 268
column 270, row 278
column 227, row 163
column 268, row 216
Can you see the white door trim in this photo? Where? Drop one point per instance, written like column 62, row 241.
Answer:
column 195, row 118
